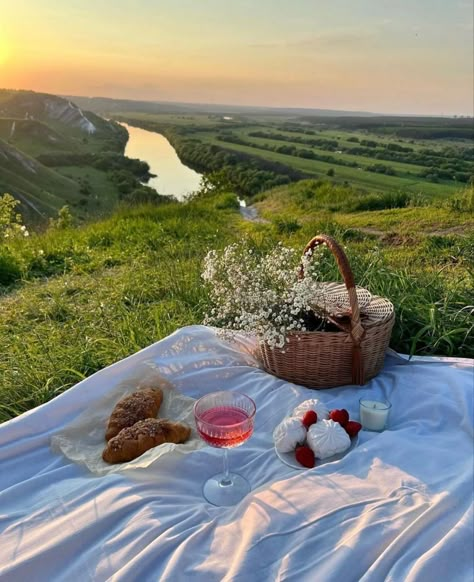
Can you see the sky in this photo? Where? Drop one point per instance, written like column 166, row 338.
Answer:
column 387, row 56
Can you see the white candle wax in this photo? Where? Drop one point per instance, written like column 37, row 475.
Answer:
column 373, row 414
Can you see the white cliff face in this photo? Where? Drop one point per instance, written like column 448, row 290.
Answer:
column 69, row 114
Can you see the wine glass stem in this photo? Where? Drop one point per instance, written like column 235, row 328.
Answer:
column 226, row 480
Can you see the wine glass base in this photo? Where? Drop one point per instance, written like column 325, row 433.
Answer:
column 220, row 493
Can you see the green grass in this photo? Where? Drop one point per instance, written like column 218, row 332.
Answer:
column 33, row 137
column 81, row 299
column 100, row 192
column 91, row 296
column 42, row 189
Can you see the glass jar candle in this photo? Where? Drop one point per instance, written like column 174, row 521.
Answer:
column 374, row 414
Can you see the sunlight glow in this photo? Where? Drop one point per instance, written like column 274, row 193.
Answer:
column 308, row 54
column 4, row 52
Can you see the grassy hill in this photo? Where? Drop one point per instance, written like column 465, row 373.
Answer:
column 41, row 191
column 37, row 131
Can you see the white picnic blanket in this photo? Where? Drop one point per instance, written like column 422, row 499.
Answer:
column 398, row 507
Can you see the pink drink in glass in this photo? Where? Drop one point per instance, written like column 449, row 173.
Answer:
column 225, row 420
column 225, row 426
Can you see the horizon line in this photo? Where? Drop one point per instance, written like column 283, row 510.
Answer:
column 356, row 112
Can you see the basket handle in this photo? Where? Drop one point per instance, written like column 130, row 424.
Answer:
column 357, row 331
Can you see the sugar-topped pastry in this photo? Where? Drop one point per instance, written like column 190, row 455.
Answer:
column 327, row 438
column 311, row 404
column 142, row 404
column 288, row 434
column 135, row 440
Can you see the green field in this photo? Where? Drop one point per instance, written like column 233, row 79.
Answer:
column 447, row 166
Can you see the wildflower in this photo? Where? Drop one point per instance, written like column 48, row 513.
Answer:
column 260, row 294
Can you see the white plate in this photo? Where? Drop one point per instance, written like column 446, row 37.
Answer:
column 289, row 458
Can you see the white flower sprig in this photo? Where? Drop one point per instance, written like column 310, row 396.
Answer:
column 261, row 293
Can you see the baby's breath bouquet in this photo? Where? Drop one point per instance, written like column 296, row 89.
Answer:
column 262, row 294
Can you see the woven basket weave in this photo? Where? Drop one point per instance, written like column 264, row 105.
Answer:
column 353, row 355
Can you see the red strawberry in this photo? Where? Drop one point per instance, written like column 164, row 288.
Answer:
column 352, row 428
column 305, row 456
column 309, row 418
column 340, row 416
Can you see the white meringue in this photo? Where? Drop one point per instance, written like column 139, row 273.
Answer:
column 327, row 438
column 288, row 434
column 311, row 404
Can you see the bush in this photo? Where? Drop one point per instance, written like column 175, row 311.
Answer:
column 143, row 195
column 10, row 271
column 64, row 219
column 10, row 220
column 227, row 201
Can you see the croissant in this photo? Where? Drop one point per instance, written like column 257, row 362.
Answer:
column 133, row 441
column 142, row 404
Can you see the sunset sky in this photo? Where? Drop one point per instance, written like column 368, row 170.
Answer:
column 393, row 56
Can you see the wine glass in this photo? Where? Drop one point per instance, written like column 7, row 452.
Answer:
column 225, row 420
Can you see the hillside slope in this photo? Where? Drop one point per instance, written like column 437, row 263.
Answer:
column 41, row 191
column 35, row 125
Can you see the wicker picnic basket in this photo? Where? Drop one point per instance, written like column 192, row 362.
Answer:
column 352, row 355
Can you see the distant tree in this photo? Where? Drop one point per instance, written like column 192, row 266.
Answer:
column 331, row 172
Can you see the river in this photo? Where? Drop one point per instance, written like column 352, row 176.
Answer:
column 172, row 177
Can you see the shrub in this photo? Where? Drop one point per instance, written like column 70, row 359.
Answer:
column 64, row 219
column 10, row 220
column 227, row 201
column 10, row 271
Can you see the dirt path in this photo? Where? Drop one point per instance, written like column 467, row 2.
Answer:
column 250, row 213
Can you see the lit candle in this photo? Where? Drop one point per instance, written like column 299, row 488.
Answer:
column 374, row 414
